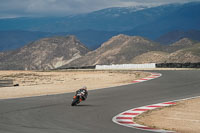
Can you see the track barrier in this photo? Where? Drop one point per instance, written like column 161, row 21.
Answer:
column 139, row 66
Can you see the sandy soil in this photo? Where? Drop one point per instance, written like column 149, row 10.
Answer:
column 44, row 83
column 183, row 117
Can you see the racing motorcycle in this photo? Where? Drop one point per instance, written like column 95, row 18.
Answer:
column 77, row 98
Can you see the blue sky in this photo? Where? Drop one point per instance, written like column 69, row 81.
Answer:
column 34, row 8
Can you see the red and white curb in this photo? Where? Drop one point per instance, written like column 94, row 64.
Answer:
column 126, row 118
column 152, row 76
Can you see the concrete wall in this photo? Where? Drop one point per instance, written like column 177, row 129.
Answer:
column 126, row 66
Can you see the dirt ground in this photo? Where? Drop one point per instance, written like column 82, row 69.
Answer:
column 184, row 117
column 45, row 83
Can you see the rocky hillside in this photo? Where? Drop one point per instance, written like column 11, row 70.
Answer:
column 150, row 57
column 180, row 44
column 63, row 52
column 47, row 53
column 118, row 50
column 134, row 49
column 182, row 51
column 191, row 54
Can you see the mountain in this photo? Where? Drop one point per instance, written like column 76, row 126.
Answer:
column 182, row 51
column 11, row 40
column 63, row 52
column 163, row 19
column 44, row 54
column 109, row 19
column 93, row 38
column 191, row 54
column 123, row 49
column 117, row 50
column 180, row 44
column 174, row 36
column 141, row 22
column 150, row 57
column 94, row 28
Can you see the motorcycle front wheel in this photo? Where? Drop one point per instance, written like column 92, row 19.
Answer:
column 75, row 102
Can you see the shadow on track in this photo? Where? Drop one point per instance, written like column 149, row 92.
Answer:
column 84, row 105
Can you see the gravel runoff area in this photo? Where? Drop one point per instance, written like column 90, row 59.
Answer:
column 183, row 117
column 33, row 83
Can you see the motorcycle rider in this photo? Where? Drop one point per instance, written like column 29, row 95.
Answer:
column 83, row 91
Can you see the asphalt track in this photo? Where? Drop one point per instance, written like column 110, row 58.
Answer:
column 54, row 114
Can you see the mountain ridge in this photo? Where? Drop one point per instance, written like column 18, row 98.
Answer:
column 46, row 53
column 123, row 22
column 63, row 52
column 119, row 49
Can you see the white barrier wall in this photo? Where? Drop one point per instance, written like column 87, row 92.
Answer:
column 126, row 66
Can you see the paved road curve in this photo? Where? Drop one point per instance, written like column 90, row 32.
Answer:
column 53, row 114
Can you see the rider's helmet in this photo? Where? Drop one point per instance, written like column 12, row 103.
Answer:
column 84, row 87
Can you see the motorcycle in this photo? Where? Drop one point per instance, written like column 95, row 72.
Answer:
column 77, row 98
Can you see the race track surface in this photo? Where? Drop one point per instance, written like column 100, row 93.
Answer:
column 54, row 114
